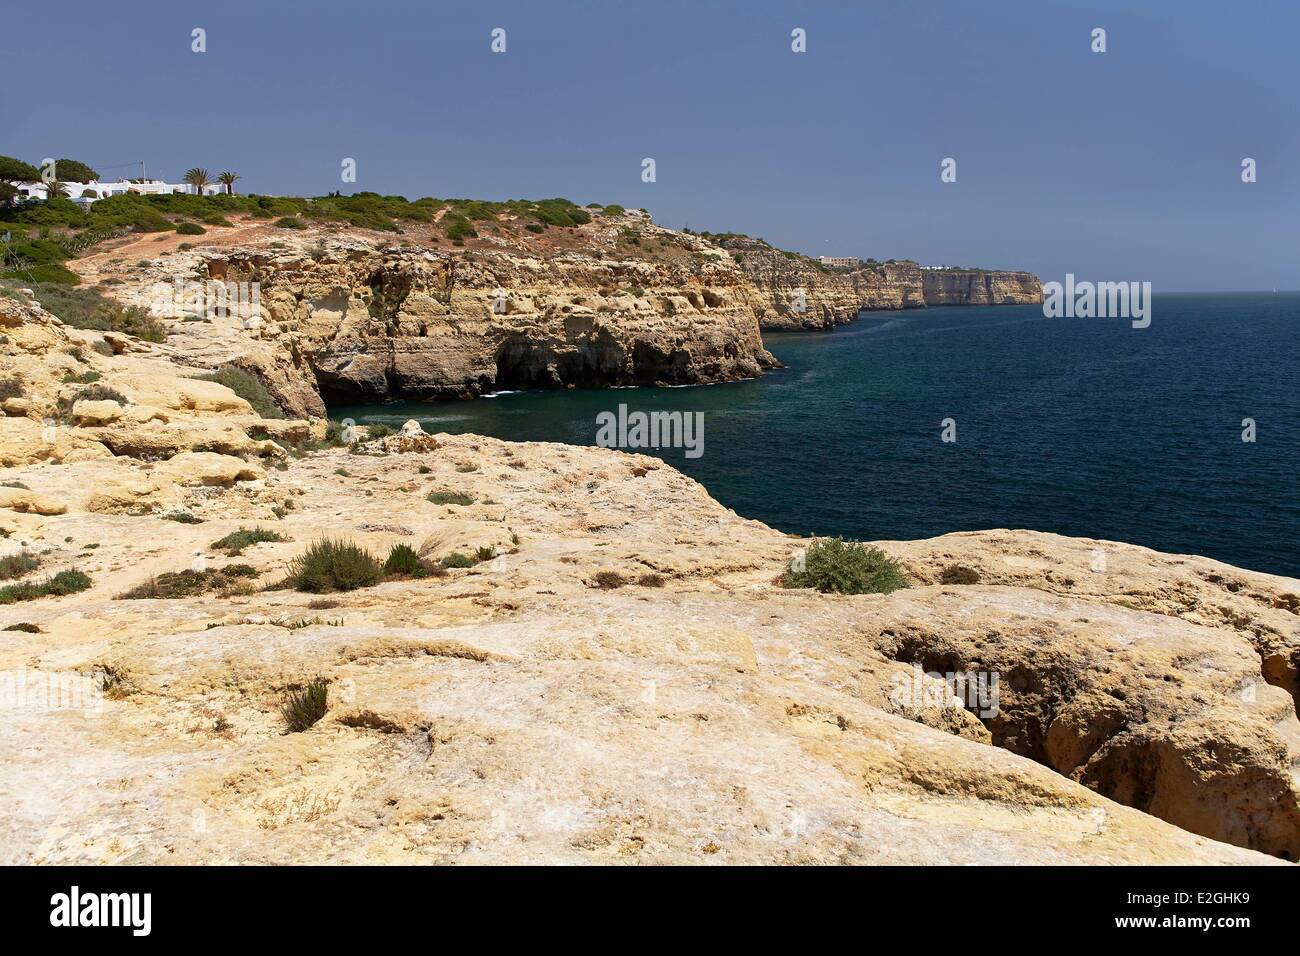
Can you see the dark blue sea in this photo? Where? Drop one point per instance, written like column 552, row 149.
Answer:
column 1078, row 426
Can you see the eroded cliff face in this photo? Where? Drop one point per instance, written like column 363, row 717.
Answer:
column 950, row 287
column 378, row 324
column 343, row 315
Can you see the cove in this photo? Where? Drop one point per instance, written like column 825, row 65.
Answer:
column 1091, row 429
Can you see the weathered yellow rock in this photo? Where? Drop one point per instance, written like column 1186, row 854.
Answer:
column 208, row 468
column 88, row 412
column 181, row 394
column 21, row 499
column 130, row 493
column 24, row 441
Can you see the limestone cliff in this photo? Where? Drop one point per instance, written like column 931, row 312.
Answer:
column 344, row 314
column 979, row 287
column 347, row 314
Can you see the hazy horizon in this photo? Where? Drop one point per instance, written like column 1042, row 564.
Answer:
column 1115, row 166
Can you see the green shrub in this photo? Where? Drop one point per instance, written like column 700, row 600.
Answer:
column 134, row 320
column 449, row 498
column 832, row 565
column 248, row 387
column 16, row 565
column 188, row 583
column 560, row 212
column 458, row 228
column 181, row 517
column 235, row 542
column 614, row 209
column 90, row 309
column 959, row 574
column 10, row 387
column 36, row 260
column 334, row 566
column 403, row 560
column 304, row 706
column 457, row 560
column 95, row 392
column 61, row 584
column 66, row 583
column 379, row 430
column 52, row 274
column 535, row 227
column 190, row 229
column 290, row 222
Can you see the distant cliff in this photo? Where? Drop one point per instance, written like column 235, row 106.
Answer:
column 799, row 293
column 950, row 287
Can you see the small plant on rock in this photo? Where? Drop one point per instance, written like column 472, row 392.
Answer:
column 959, row 574
column 449, row 498
column 16, row 565
column 304, row 706
column 403, row 561
column 235, row 542
column 330, row 565
column 60, row 585
column 833, row 565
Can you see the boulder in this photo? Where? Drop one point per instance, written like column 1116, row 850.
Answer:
column 208, row 468
column 29, row 502
column 130, row 493
column 25, row 441
column 91, row 412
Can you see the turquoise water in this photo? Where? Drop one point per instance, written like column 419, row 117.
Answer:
column 1078, row 426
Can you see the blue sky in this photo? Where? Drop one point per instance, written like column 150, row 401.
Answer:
column 1122, row 165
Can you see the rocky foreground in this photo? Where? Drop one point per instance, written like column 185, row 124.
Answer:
column 616, row 676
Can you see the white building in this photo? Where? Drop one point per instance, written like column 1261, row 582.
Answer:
column 840, row 260
column 91, row 191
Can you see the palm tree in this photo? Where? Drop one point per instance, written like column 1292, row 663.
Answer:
column 199, row 179
column 55, row 188
column 228, row 180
